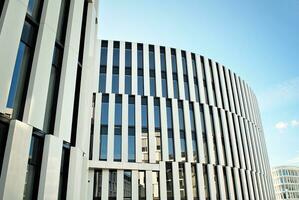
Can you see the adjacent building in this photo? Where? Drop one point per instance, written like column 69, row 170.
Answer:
column 88, row 119
column 49, row 51
column 286, row 182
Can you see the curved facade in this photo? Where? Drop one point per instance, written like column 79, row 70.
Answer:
column 171, row 124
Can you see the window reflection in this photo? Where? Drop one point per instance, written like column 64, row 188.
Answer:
column 127, row 185
column 170, row 130
column 182, row 131
column 169, row 181
column 141, row 185
column 144, row 134
column 157, row 129
column 155, row 185
column 112, row 185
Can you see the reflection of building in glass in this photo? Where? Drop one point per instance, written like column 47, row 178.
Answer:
column 286, row 182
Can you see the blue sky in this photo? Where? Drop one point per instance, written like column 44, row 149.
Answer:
column 259, row 40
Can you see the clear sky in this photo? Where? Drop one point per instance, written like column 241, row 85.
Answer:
column 259, row 40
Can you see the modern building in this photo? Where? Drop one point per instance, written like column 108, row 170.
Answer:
column 286, row 182
column 172, row 124
column 49, row 51
column 88, row 119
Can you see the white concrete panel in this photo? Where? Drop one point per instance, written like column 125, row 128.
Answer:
column 158, row 71
column 110, row 143
column 109, row 67
column 239, row 141
column 217, row 86
column 200, row 181
column 176, row 182
column 244, row 184
column 146, row 70
column 229, row 90
column 163, row 186
column 97, row 128
column 188, row 181
column 138, row 149
column 15, row 161
column 209, row 134
column 176, row 130
column 50, row 168
column 13, row 12
column 245, row 144
column 237, row 183
column 200, row 80
column 199, row 136
column 35, row 106
column 211, row 180
column 134, row 68
column 249, row 184
column 247, row 134
column 120, row 184
column 169, row 77
column 235, row 92
column 233, row 140
column 180, row 74
column 226, row 139
column 134, row 185
column 124, row 126
column 121, row 81
column 190, row 76
column 188, row 135
column 74, row 177
column 230, row 183
column 148, row 187
column 255, row 186
column 151, row 130
column 164, row 133
column 223, row 88
column 220, row 150
column 209, row 82
column 221, row 182
column 90, row 184
column 105, row 184
column 241, row 101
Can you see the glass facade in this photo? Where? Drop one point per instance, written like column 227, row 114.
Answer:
column 141, row 185
column 118, row 128
column 127, row 185
column 144, row 134
column 131, row 131
column 182, row 131
column 104, row 127
column 170, row 130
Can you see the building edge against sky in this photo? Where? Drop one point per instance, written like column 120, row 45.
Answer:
column 157, row 122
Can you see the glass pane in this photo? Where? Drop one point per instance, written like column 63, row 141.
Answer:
column 157, row 113
column 115, row 83
column 128, row 84
column 118, row 111
column 33, row 8
column 105, row 110
column 102, row 82
column 155, row 186
column 117, row 143
column 131, row 146
column 162, row 59
column 131, row 114
column 116, row 54
column 62, row 23
column 140, row 85
column 140, row 56
column 175, row 89
column 169, row 180
column 151, row 57
column 127, row 185
column 112, row 184
column 97, row 190
column 152, row 86
column 184, row 63
column 104, row 51
column 141, row 185
column 182, row 180
column 164, row 87
column 194, row 181
column 186, row 88
column 170, row 145
column 128, row 55
column 173, row 61
column 144, row 112
column 103, row 142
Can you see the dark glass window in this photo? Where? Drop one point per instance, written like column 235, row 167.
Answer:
column 152, row 83
column 175, row 86
column 193, row 132
column 62, row 23
column 194, row 181
column 131, row 116
column 102, row 80
column 64, row 168
column 140, row 82
column 144, row 135
column 170, row 130
column 151, row 57
column 34, row 8
column 127, row 185
column 128, row 81
column 182, row 131
column 204, row 78
column 105, row 110
column 163, row 59
column 115, row 80
column 140, row 56
column 131, row 146
column 194, row 68
column 206, row 180
column 117, row 128
column 1, row 7
column 97, row 187
column 3, row 138
column 182, row 181
column 115, row 54
column 53, row 90
column 184, row 63
column 173, row 61
column 141, row 185
column 204, row 133
column 186, row 88
column 157, row 129
column 104, row 52
column 128, row 55
column 104, row 127
column 164, row 84
column 33, row 168
column 112, row 185
column 169, row 181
